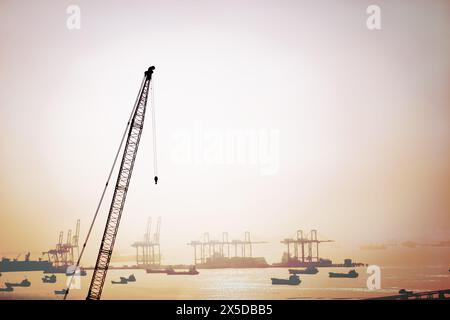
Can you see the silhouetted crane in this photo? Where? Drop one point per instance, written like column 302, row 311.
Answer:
column 121, row 189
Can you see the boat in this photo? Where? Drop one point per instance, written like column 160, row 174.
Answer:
column 49, row 279
column 218, row 261
column 123, row 280
column 7, row 289
column 156, row 270
column 15, row 265
column 290, row 262
column 63, row 291
column 405, row 292
column 308, row 270
column 192, row 271
column 350, row 274
column 80, row 272
column 68, row 270
column 23, row 283
column 293, row 280
column 131, row 278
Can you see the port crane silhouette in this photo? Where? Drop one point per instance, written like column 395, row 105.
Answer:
column 301, row 243
column 64, row 253
column 133, row 132
column 150, row 247
column 210, row 248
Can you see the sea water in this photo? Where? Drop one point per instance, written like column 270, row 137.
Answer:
column 236, row 284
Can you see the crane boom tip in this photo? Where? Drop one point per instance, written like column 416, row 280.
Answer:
column 149, row 72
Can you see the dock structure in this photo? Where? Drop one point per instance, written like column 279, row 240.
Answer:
column 303, row 250
column 148, row 251
column 425, row 295
column 306, row 248
column 63, row 254
column 208, row 250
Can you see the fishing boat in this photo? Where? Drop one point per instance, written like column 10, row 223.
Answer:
column 350, row 274
column 68, row 270
column 156, row 270
column 405, row 292
column 293, row 280
column 49, row 279
column 131, row 278
column 308, row 270
column 63, row 291
column 80, row 272
column 123, row 280
column 7, row 289
column 192, row 271
column 23, row 283
column 16, row 265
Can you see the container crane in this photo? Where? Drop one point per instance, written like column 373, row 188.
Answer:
column 75, row 238
column 150, row 246
column 156, row 241
column 147, row 239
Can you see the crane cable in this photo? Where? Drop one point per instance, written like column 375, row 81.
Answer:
column 104, row 189
column 155, row 163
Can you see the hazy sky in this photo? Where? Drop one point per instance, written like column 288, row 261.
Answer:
column 351, row 125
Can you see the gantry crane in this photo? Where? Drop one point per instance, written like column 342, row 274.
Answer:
column 63, row 255
column 157, row 257
column 146, row 241
column 309, row 242
column 121, row 188
column 149, row 247
column 211, row 249
column 75, row 239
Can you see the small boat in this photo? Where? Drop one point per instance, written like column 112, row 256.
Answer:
column 81, row 272
column 23, row 283
column 156, row 270
column 293, row 280
column 308, row 270
column 405, row 292
column 192, row 271
column 131, row 278
column 350, row 274
column 123, row 280
column 7, row 289
column 63, row 291
column 49, row 279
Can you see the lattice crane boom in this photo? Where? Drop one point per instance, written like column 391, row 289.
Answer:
column 120, row 191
